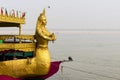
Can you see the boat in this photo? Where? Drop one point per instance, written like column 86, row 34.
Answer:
column 26, row 57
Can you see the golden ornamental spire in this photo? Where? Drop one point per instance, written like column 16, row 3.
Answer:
column 12, row 17
column 44, row 11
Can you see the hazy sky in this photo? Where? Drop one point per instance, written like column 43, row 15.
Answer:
column 69, row 14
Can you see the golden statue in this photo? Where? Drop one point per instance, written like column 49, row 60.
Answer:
column 30, row 67
column 42, row 34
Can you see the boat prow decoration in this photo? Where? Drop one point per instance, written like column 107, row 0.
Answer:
column 22, row 65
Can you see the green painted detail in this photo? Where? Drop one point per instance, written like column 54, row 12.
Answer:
column 1, row 41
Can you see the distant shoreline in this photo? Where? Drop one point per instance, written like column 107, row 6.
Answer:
column 87, row 31
column 62, row 31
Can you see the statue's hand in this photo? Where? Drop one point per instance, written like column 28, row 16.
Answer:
column 53, row 37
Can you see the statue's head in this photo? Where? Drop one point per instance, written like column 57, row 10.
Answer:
column 42, row 17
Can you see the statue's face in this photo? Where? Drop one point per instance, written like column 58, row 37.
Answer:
column 44, row 21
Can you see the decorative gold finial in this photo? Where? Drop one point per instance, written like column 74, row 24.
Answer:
column 42, row 15
column 44, row 11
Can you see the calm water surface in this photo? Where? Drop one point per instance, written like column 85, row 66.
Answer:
column 96, row 55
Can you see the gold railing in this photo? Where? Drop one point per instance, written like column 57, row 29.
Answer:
column 26, row 47
column 12, row 19
column 25, row 37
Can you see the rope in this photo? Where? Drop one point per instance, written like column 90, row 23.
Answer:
column 86, row 71
column 90, row 72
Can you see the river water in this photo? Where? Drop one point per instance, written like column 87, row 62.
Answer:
column 96, row 55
